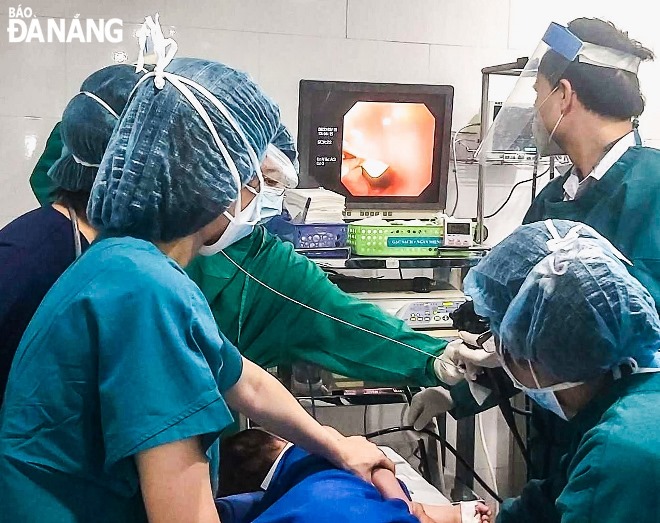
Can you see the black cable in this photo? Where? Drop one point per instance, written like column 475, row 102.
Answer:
column 365, row 418
column 424, row 460
column 552, row 168
column 459, row 458
column 311, row 397
column 507, row 413
column 400, row 274
column 511, row 194
column 454, row 141
column 456, row 185
column 535, row 174
column 522, row 412
column 408, row 394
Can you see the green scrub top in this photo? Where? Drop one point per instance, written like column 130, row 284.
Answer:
column 123, row 355
column 271, row 330
column 623, row 206
column 611, row 472
column 42, row 185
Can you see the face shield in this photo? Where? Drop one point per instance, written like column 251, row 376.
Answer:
column 526, row 121
column 278, row 170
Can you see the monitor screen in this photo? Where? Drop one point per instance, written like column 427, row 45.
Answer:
column 379, row 145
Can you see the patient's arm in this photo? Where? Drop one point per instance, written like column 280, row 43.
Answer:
column 388, row 485
column 389, row 488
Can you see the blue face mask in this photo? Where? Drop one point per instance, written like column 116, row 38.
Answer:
column 271, row 203
column 544, row 397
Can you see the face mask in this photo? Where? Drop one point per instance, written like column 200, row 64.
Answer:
column 271, row 202
column 238, row 228
column 544, row 397
column 544, row 142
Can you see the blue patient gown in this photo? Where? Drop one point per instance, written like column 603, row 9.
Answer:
column 309, row 489
column 123, row 355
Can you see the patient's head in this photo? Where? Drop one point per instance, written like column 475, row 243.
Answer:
column 245, row 459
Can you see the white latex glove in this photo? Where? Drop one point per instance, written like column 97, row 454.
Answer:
column 428, row 404
column 474, row 360
column 447, row 367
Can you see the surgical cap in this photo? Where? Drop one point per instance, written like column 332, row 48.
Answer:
column 163, row 176
column 87, row 125
column 572, row 307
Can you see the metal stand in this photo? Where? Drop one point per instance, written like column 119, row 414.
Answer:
column 510, row 69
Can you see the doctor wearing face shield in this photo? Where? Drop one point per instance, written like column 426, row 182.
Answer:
column 122, row 382
column 580, row 336
column 579, row 95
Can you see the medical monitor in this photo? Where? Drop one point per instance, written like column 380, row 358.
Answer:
column 385, row 147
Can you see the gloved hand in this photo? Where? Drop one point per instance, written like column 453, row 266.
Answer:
column 447, row 367
column 472, row 357
column 428, row 404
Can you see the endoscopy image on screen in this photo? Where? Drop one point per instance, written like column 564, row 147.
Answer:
column 387, row 149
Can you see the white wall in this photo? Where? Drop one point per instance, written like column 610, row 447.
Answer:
column 281, row 41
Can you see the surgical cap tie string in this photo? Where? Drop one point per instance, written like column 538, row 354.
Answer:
column 83, row 163
column 103, row 104
column 557, row 244
column 164, row 48
column 239, row 130
column 164, row 57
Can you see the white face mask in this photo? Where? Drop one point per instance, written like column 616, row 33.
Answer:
column 240, row 225
column 545, row 145
column 544, row 397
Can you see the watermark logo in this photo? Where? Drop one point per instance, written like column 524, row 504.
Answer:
column 25, row 27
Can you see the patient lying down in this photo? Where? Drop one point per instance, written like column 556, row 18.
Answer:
column 302, row 488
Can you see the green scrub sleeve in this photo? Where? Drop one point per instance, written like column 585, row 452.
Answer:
column 347, row 337
column 42, row 185
column 351, row 337
column 160, row 388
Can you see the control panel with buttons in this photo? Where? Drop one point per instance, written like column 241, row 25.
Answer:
column 420, row 311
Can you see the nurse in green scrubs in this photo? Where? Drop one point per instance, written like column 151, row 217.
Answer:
column 270, row 330
column 580, row 337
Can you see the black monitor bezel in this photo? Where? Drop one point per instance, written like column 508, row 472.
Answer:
column 446, row 92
